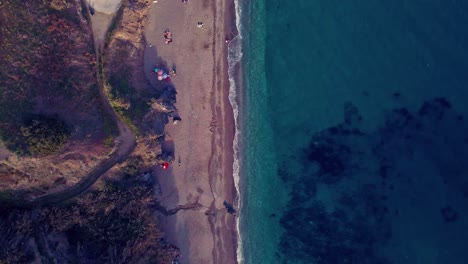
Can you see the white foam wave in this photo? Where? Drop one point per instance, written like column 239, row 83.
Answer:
column 234, row 58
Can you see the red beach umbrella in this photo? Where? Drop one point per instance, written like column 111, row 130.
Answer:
column 165, row 165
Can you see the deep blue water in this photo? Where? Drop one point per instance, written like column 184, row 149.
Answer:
column 355, row 131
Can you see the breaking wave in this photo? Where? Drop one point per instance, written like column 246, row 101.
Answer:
column 234, row 58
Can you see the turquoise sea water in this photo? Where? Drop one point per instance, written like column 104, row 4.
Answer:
column 354, row 131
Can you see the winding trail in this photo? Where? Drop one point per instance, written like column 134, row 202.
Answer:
column 125, row 144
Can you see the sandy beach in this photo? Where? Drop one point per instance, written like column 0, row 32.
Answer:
column 202, row 141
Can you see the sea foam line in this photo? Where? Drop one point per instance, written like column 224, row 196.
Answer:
column 234, row 57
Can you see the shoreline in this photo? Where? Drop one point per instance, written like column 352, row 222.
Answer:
column 236, row 82
column 232, row 194
column 202, row 172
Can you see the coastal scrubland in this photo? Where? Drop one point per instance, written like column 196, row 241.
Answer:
column 48, row 66
column 95, row 97
column 58, row 130
column 114, row 224
column 143, row 106
column 53, row 126
column 132, row 95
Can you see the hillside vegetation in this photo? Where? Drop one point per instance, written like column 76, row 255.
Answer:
column 130, row 92
column 44, row 135
column 47, row 67
column 53, row 124
column 111, row 225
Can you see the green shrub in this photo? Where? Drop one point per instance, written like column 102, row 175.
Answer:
column 133, row 165
column 44, row 135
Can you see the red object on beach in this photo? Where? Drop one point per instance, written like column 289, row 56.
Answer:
column 165, row 165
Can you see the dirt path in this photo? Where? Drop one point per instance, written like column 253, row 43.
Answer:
column 125, row 143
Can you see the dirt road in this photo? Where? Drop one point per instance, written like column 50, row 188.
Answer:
column 125, row 143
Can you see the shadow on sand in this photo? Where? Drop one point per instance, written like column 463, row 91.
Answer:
column 169, row 195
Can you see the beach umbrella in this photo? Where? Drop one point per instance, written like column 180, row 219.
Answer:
column 156, row 69
column 165, row 165
column 160, row 72
column 160, row 78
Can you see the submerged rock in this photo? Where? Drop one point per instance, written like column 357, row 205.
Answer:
column 363, row 174
column 449, row 214
column 330, row 156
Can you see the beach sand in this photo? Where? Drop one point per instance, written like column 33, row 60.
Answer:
column 202, row 169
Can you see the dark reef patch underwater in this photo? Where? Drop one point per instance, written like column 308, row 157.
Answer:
column 395, row 194
column 387, row 182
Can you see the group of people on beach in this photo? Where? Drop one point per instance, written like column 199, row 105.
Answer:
column 167, row 36
column 162, row 73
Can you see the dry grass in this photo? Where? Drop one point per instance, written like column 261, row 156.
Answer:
column 48, row 66
column 126, row 85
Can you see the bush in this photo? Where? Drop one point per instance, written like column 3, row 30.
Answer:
column 133, row 166
column 114, row 224
column 44, row 135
